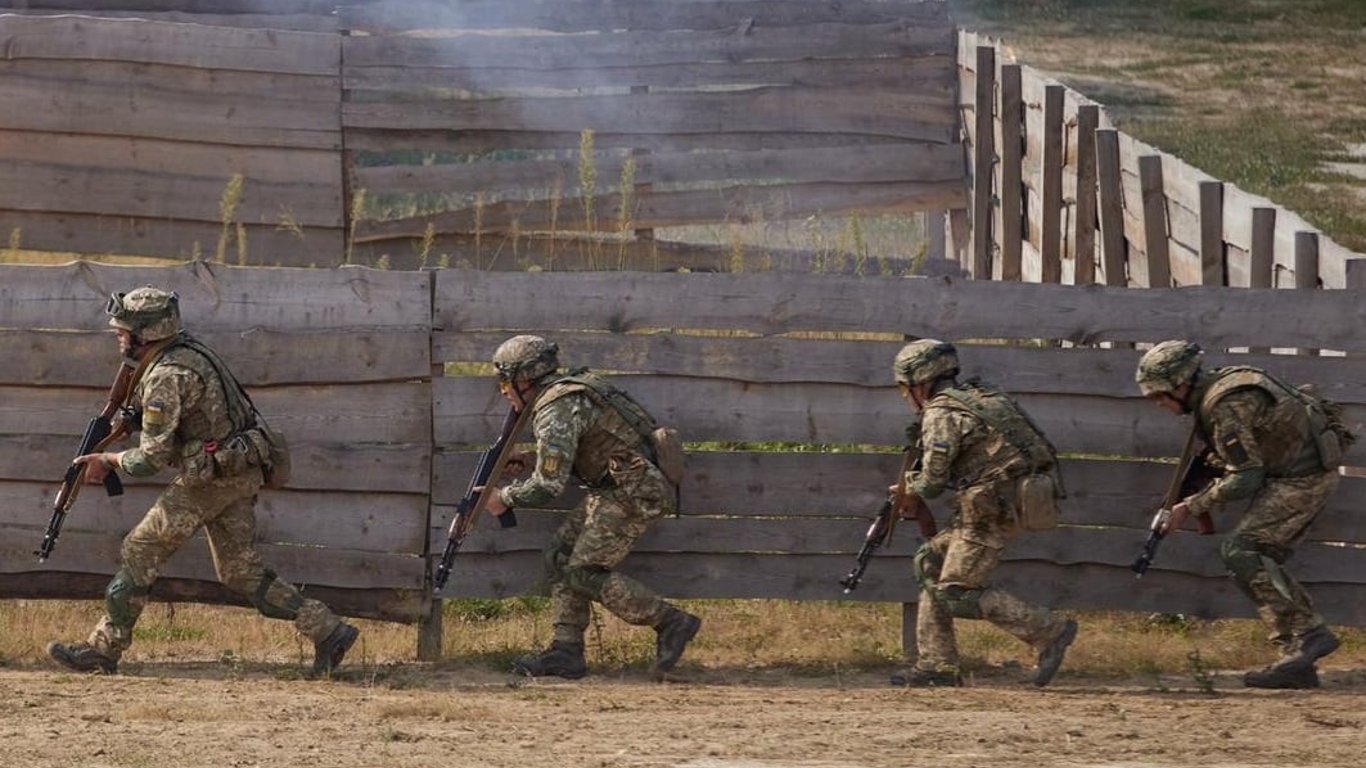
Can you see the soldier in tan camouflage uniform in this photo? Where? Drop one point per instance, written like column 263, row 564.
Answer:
column 975, row 440
column 587, row 428
column 1281, row 448
column 195, row 418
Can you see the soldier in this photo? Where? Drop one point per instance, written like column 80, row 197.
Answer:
column 1280, row 447
column 586, row 427
column 977, row 440
column 196, row 418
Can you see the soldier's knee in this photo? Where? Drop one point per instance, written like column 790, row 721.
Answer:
column 926, row 566
column 284, row 604
column 962, row 602
column 1242, row 557
column 556, row 559
column 118, row 598
column 587, row 580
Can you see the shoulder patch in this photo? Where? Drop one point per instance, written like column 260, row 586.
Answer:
column 152, row 415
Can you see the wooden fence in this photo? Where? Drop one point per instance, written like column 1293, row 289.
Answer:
column 355, row 138
column 344, row 360
column 1059, row 195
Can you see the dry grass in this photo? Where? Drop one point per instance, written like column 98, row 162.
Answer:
column 793, row 638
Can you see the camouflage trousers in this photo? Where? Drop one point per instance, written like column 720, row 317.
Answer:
column 1255, row 552
column 954, row 569
column 224, row 507
column 595, row 538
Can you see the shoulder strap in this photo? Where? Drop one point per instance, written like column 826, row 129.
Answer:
column 581, row 379
column 973, row 397
column 242, row 412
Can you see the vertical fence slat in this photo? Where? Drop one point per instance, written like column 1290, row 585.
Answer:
column 1050, row 231
column 1111, row 206
column 1088, row 120
column 1307, row 268
column 1213, row 264
column 1261, row 269
column 1012, row 184
column 1155, row 221
column 985, row 157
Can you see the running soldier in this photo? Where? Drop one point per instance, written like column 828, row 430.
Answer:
column 195, row 418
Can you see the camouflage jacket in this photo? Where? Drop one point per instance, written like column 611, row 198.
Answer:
column 185, row 404
column 576, row 434
column 973, row 435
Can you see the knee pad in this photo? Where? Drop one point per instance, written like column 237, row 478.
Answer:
column 1242, row 557
column 926, row 566
column 260, row 599
column 556, row 558
column 118, row 596
column 587, row 580
column 963, row 603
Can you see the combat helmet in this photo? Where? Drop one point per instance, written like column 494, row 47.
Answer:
column 925, row 360
column 150, row 314
column 1165, row 367
column 526, row 358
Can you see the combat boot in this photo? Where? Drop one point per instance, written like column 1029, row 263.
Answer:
column 328, row 652
column 926, row 678
column 1050, row 658
column 561, row 659
column 1283, row 676
column 82, row 657
column 1315, row 644
column 674, row 633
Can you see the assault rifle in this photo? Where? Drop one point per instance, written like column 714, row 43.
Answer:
column 1192, row 474
column 112, row 424
column 899, row 503
column 491, row 465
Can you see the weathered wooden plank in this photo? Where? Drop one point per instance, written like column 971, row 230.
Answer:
column 1262, row 269
column 467, row 411
column 74, row 188
column 61, row 105
column 1017, row 369
column 234, row 7
column 1012, row 151
column 380, row 604
column 854, row 164
column 939, row 307
column 484, row 142
column 360, row 413
column 82, row 552
column 791, row 110
column 1155, row 222
column 384, row 467
column 259, row 356
column 317, row 90
column 213, row 297
column 930, row 76
column 1084, row 249
column 1111, row 192
column 299, row 22
column 592, row 15
column 347, row 520
column 266, row 244
column 1050, row 229
column 1213, row 267
column 652, row 48
column 157, row 42
column 671, row 209
column 984, row 159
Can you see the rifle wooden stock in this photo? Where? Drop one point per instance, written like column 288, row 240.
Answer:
column 491, row 465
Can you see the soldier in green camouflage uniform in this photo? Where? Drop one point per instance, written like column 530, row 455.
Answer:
column 975, row 440
column 195, row 418
column 587, row 428
column 1278, row 446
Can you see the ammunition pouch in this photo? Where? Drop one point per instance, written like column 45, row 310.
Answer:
column 1038, row 503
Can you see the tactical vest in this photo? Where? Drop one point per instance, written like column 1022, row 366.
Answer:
column 1292, row 434
column 1014, row 446
column 620, row 431
column 222, row 411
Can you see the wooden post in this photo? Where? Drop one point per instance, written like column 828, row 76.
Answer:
column 1262, row 260
column 1012, row 161
column 908, row 644
column 1088, row 120
column 934, row 222
column 1356, row 274
column 1050, row 231
column 1307, row 268
column 1213, row 261
column 1111, row 207
column 1155, row 221
column 984, row 158
column 429, row 625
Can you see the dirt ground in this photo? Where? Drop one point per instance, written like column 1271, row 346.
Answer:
column 216, row 714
